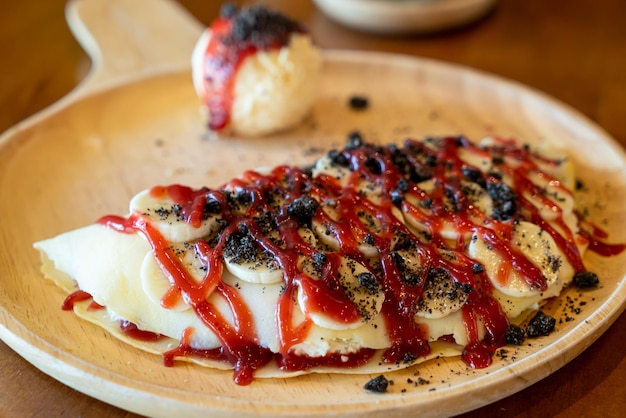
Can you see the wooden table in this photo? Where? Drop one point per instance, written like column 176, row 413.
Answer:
column 575, row 52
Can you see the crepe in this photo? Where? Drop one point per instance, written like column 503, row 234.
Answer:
column 374, row 258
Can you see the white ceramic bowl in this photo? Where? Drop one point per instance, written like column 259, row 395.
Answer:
column 404, row 16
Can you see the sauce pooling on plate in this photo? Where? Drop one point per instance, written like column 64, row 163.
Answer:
column 406, row 236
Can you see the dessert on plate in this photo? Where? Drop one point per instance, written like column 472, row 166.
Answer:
column 255, row 71
column 377, row 257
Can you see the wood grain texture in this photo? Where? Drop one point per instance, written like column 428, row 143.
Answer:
column 87, row 144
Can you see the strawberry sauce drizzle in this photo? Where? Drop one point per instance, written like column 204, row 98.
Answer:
column 409, row 340
column 239, row 341
column 233, row 38
column 73, row 298
column 221, row 63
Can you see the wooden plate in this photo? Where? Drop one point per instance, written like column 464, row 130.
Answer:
column 135, row 123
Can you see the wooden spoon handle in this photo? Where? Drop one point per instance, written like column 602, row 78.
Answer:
column 131, row 38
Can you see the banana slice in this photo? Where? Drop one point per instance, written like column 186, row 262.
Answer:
column 259, row 266
column 358, row 284
column 370, row 224
column 539, row 248
column 321, row 342
column 165, row 215
column 326, row 165
column 365, row 189
column 450, row 325
column 427, row 223
column 263, row 270
column 326, row 233
column 248, row 261
column 561, row 200
column 422, row 219
column 513, row 306
column 475, row 157
column 441, row 296
column 155, row 284
column 478, row 197
column 555, row 163
column 374, row 192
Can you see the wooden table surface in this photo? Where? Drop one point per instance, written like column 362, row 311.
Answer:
column 574, row 51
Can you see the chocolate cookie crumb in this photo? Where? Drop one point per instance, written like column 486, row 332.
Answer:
column 504, row 205
column 368, row 281
column 477, row 268
column 355, row 140
column 358, row 102
column 540, row 325
column 586, row 280
column 378, row 384
column 258, row 26
column 303, row 208
column 579, row 184
column 514, row 335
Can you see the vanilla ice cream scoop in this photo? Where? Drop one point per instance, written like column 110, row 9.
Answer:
column 255, row 71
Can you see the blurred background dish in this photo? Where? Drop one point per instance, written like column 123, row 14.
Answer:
column 404, row 16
